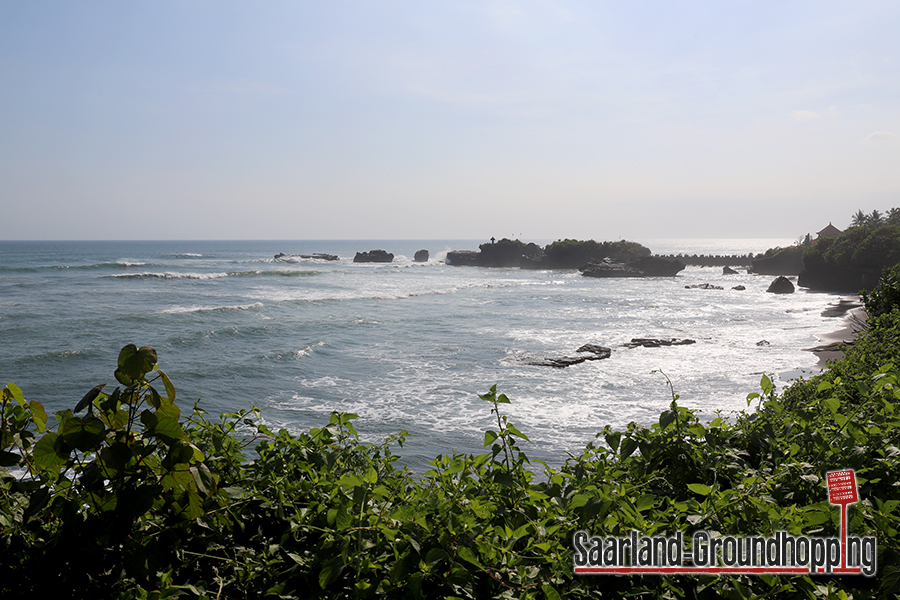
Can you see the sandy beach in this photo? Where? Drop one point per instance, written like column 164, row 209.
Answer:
column 833, row 344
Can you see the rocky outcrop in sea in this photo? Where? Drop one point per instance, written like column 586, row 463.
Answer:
column 648, row 266
column 781, row 285
column 373, row 256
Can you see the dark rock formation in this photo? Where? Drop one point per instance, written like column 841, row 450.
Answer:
column 728, row 271
column 502, row 253
column 584, row 353
column 834, row 278
column 779, row 261
column 646, row 266
column 763, row 343
column 373, row 256
column 656, row 343
column 853, row 261
column 462, row 258
column 781, row 285
column 573, row 254
column 421, row 256
column 703, row 286
column 317, row 256
column 739, row 288
column 562, row 254
column 595, row 349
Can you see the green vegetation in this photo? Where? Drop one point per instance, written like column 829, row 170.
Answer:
column 886, row 296
column 858, row 247
column 573, row 254
column 853, row 260
column 125, row 498
column 506, row 252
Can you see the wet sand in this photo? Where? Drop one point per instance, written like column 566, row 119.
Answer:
column 833, row 344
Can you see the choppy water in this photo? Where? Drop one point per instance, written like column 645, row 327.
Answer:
column 404, row 345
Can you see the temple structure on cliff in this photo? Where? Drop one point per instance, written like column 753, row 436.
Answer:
column 828, row 232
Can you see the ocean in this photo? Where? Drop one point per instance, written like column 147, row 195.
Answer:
column 406, row 345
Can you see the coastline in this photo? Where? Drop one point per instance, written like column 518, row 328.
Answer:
column 833, row 344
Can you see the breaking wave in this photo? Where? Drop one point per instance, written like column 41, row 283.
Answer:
column 170, row 275
column 213, row 309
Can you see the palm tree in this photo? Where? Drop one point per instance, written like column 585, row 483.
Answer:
column 859, row 219
column 875, row 219
column 893, row 217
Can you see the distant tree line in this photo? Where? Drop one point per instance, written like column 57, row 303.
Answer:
column 855, row 259
column 875, row 218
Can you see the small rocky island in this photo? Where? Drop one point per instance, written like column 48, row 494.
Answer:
column 593, row 259
column 373, row 256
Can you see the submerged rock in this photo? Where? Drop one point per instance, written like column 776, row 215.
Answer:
column 703, row 286
column 728, row 271
column 656, row 343
column 317, row 256
column 646, row 266
column 584, row 353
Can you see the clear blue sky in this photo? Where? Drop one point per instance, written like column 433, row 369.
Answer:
column 445, row 119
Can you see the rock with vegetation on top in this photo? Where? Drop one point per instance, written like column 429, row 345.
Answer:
column 462, row 258
column 373, row 256
column 779, row 261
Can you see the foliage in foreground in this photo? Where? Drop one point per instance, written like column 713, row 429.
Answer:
column 125, row 498
column 886, row 295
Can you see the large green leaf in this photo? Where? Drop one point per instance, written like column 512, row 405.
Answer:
column 134, row 363
column 83, row 433
column 88, row 399
column 38, row 415
column 47, row 454
column 331, row 571
column 205, row 480
column 9, row 459
column 116, row 456
column 14, row 391
column 165, row 427
column 170, row 389
column 700, row 488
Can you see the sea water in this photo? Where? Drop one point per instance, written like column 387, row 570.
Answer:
column 406, row 345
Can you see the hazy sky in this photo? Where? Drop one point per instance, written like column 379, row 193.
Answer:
column 445, row 119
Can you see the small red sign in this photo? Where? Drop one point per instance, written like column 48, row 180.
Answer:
column 842, row 487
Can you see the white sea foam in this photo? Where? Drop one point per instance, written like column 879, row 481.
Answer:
column 407, row 348
column 171, row 275
column 200, row 309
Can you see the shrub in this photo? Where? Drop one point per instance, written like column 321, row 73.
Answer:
column 130, row 500
column 885, row 298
